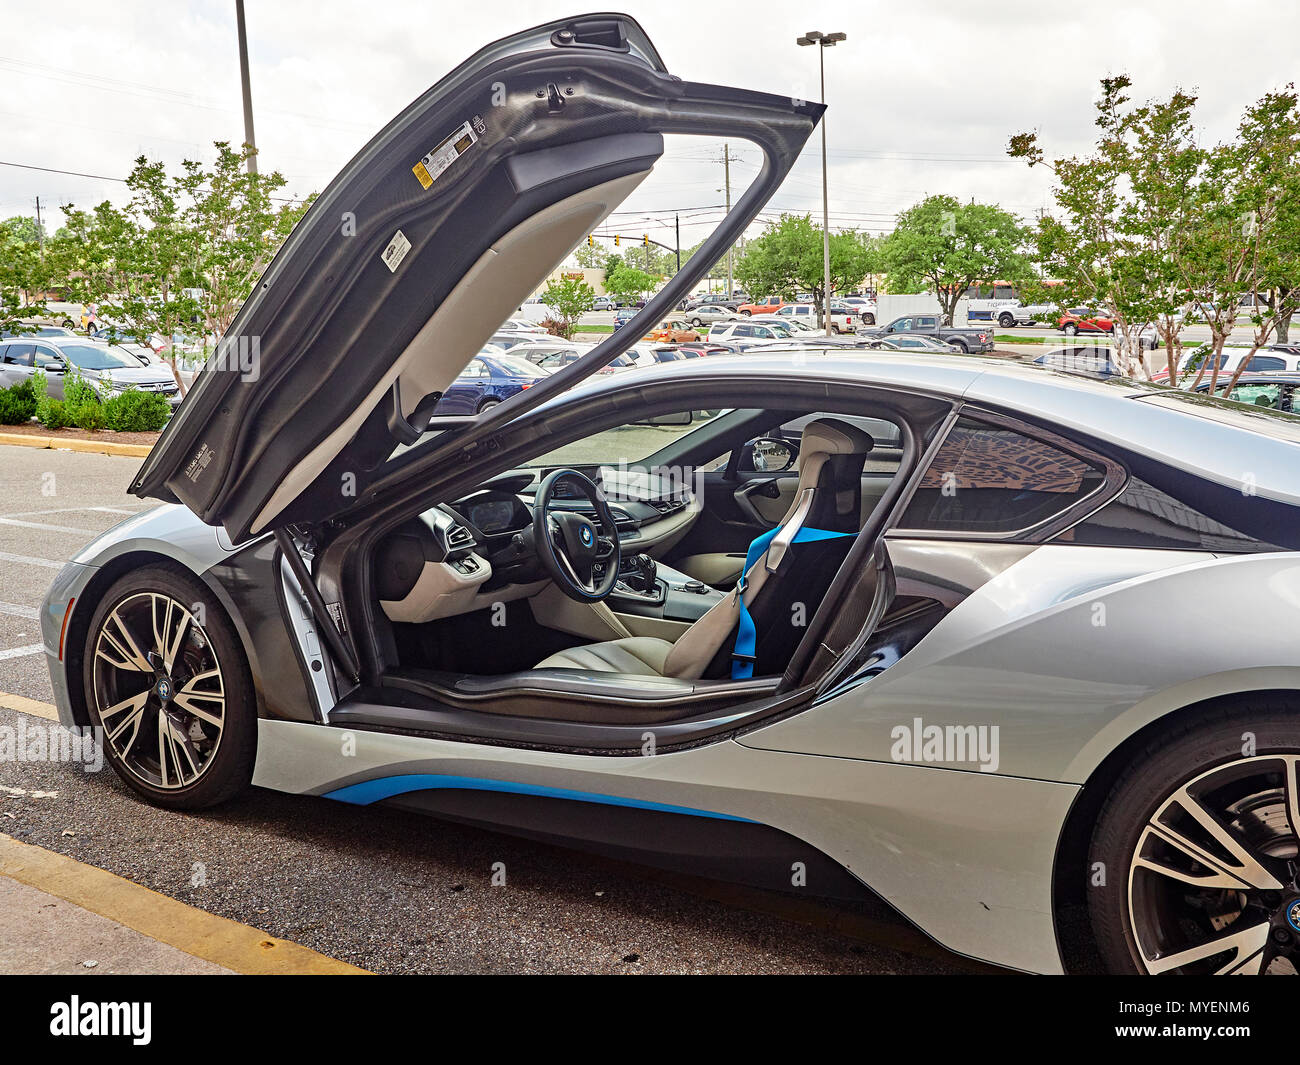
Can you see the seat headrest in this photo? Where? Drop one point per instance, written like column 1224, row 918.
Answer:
column 830, row 436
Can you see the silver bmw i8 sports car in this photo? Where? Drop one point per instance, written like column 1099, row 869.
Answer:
column 1012, row 650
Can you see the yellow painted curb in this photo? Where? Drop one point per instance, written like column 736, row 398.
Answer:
column 25, row 705
column 232, row 945
column 93, row 447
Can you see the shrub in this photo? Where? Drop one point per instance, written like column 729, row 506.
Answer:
column 134, row 411
column 51, row 413
column 87, row 415
column 17, row 403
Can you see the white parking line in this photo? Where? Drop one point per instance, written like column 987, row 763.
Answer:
column 29, row 560
column 49, row 528
column 29, row 612
column 73, row 510
column 20, row 652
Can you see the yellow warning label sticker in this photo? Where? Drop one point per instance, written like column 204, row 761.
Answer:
column 422, row 174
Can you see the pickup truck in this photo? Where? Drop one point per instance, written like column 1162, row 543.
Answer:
column 769, row 305
column 929, row 325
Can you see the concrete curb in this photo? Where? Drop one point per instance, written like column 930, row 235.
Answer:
column 229, row 944
column 93, row 447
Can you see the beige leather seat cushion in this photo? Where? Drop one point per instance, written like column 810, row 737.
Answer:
column 640, row 655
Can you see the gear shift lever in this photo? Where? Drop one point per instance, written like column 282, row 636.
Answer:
column 640, row 575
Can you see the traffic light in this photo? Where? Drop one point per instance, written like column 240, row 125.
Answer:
column 591, row 241
column 645, row 239
column 616, row 240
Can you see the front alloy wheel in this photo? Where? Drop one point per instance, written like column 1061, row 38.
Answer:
column 166, row 680
column 1209, row 880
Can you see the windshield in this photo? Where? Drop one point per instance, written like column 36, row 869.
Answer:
column 86, row 357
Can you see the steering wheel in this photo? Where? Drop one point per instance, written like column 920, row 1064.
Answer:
column 570, row 546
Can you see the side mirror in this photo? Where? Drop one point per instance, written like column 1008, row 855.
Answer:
column 767, row 455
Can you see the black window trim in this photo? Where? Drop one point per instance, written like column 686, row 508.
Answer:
column 1114, row 478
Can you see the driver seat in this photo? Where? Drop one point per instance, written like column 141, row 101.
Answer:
column 828, row 498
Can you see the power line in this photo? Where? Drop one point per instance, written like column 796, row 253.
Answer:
column 121, row 181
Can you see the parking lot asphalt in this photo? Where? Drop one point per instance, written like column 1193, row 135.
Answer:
column 385, row 890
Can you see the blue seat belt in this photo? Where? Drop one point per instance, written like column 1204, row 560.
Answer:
column 742, row 656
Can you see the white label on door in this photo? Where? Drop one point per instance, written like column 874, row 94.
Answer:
column 396, row 251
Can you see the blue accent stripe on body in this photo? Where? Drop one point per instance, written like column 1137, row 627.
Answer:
column 380, row 788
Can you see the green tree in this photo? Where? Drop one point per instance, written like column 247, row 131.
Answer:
column 627, row 283
column 22, row 272
column 788, row 258
column 570, row 299
column 1127, row 215
column 947, row 246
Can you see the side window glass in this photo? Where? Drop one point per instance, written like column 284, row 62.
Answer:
column 989, row 479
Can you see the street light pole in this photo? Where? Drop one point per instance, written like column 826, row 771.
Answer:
column 245, row 84
column 824, row 41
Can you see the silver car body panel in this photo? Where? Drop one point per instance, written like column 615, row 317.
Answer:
column 967, row 857
column 1066, row 650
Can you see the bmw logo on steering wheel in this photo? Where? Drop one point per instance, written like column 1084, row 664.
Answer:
column 587, row 536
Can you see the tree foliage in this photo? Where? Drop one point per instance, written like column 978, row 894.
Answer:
column 570, row 299
column 788, row 258
column 946, row 246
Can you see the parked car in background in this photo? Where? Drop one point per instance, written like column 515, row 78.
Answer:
column 708, row 313
column 768, row 305
column 863, row 307
column 1084, row 320
column 843, row 320
column 1094, row 360
column 621, row 318
column 749, row 334
column 535, row 310
column 603, row 303
column 37, row 329
column 520, row 325
column 488, row 379
column 717, row 299
column 673, row 331
column 931, row 325
column 548, row 353
column 1229, row 359
column 108, row 368
column 1276, row 391
column 910, row 342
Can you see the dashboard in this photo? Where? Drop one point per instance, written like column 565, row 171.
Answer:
column 451, row 558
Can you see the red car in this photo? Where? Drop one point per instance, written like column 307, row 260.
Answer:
column 1084, row 320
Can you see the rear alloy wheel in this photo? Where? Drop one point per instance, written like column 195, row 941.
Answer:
column 165, row 677
column 1006, row 321
column 488, row 404
column 868, row 319
column 1071, row 329
column 1200, row 844
column 697, row 322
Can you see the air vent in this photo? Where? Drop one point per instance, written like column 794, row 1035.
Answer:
column 459, row 536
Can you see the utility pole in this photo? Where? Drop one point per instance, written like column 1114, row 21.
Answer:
column 726, row 169
column 40, row 230
column 677, row 223
column 247, row 87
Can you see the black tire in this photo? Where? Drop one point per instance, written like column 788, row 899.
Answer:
column 488, row 404
column 698, row 323
column 1006, row 321
column 1156, row 917
column 960, row 345
column 868, row 319
column 228, row 769
column 1070, row 329
column 746, row 313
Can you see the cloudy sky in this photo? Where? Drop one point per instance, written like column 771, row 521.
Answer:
column 923, row 95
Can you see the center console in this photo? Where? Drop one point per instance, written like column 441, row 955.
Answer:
column 649, row 589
